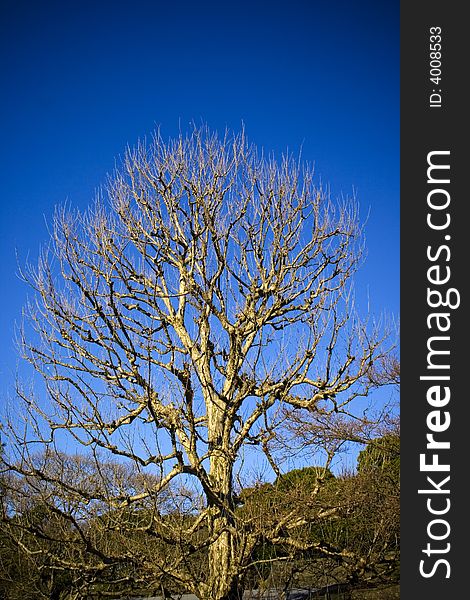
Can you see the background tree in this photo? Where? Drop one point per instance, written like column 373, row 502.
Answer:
column 177, row 326
column 363, row 503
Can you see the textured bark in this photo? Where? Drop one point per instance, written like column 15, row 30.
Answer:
column 223, row 553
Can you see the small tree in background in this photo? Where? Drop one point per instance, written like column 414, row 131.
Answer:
column 178, row 325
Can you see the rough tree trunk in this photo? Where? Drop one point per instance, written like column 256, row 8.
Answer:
column 223, row 581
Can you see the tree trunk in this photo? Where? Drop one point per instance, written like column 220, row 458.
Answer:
column 223, row 581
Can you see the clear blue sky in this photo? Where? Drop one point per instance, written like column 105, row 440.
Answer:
column 82, row 80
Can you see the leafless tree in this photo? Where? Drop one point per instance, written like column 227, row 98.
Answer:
column 205, row 292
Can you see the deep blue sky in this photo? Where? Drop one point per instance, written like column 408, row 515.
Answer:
column 81, row 80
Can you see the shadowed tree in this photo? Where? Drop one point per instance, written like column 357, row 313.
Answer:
column 176, row 324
